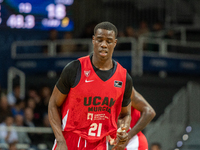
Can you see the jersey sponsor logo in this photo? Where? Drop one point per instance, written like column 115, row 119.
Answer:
column 87, row 81
column 87, row 73
column 118, row 84
column 99, row 103
column 101, row 116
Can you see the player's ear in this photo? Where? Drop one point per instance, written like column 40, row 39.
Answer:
column 93, row 39
column 115, row 42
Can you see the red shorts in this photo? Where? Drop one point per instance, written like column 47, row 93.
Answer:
column 75, row 142
column 138, row 142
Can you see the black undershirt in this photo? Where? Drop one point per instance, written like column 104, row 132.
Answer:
column 71, row 75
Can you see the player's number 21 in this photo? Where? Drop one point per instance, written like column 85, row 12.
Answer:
column 95, row 128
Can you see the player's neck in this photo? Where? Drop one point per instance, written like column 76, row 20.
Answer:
column 102, row 64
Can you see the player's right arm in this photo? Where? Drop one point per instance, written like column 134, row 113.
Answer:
column 59, row 94
column 56, row 100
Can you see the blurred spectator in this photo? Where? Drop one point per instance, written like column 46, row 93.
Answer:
column 68, row 48
column 45, row 96
column 130, row 32
column 28, row 117
column 28, row 122
column 48, row 138
column 22, row 136
column 46, row 121
column 157, row 26
column 170, row 35
column 5, row 109
column 121, row 46
column 12, row 146
column 33, row 94
column 8, row 136
column 18, row 108
column 37, row 115
column 31, row 103
column 121, row 34
column 13, row 96
column 143, row 28
column 155, row 146
column 88, row 32
column 124, row 34
column 53, row 36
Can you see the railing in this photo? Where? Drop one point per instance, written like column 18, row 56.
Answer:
column 163, row 43
column 52, row 49
column 163, row 49
column 37, row 130
column 28, row 129
column 50, row 44
column 137, row 51
column 12, row 73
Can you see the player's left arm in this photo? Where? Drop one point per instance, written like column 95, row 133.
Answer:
column 147, row 112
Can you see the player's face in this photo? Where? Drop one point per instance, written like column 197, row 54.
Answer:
column 104, row 42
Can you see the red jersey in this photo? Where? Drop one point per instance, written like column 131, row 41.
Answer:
column 92, row 107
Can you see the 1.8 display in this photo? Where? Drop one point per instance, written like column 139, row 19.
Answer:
column 36, row 14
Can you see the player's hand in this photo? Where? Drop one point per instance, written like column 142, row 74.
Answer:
column 121, row 140
column 61, row 146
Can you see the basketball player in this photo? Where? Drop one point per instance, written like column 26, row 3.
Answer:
column 90, row 95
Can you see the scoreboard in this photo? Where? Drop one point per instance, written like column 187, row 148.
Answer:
column 36, row 14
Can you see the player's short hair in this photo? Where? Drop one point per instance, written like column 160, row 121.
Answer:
column 106, row 25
